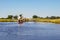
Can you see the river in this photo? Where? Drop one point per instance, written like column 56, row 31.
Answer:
column 29, row 31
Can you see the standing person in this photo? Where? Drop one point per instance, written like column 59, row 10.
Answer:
column 20, row 19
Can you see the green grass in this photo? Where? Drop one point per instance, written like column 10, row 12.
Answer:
column 36, row 20
column 7, row 20
column 47, row 20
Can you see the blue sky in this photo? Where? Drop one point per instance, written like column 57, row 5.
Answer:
column 29, row 8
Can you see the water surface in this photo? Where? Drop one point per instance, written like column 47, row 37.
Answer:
column 29, row 31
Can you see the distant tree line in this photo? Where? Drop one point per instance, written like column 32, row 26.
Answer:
column 51, row 17
column 34, row 16
column 12, row 17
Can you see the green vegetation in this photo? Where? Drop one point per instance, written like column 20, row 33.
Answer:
column 35, row 18
column 8, row 20
column 52, row 19
column 11, row 17
column 47, row 20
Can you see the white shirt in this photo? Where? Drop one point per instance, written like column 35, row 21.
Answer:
column 18, row 17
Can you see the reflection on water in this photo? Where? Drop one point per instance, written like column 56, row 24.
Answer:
column 29, row 31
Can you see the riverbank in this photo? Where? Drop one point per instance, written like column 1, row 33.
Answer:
column 57, row 21
column 8, row 20
column 33, row 19
column 12, row 20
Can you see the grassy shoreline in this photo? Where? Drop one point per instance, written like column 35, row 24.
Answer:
column 57, row 21
column 8, row 20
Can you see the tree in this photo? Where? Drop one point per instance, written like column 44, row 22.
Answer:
column 35, row 16
column 57, row 17
column 47, row 17
column 10, row 16
column 52, row 17
column 15, row 17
